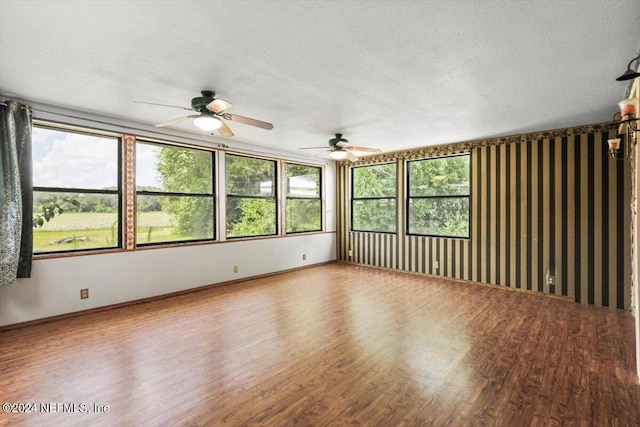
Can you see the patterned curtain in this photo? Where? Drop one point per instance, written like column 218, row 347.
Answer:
column 16, row 196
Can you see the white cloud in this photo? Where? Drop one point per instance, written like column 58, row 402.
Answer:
column 73, row 160
column 146, row 163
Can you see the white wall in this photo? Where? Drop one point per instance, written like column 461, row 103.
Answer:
column 54, row 287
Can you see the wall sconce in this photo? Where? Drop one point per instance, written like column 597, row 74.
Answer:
column 627, row 130
column 614, row 146
column 630, row 73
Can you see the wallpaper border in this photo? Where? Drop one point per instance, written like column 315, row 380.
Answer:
column 465, row 147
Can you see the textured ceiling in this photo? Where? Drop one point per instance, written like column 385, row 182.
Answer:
column 390, row 75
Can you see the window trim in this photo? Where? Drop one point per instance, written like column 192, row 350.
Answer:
column 286, row 197
column 77, row 190
column 448, row 196
column 212, row 195
column 275, row 197
column 127, row 194
column 354, row 198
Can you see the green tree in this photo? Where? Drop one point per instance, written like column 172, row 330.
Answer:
column 187, row 171
column 250, row 217
column 148, row 203
column 433, row 188
column 303, row 208
column 434, row 208
column 374, row 193
column 251, row 203
column 49, row 206
column 303, row 215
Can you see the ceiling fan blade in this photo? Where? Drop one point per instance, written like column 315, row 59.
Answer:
column 351, row 156
column 312, row 148
column 225, row 130
column 342, row 144
column 364, row 149
column 248, row 121
column 219, row 105
column 163, row 105
column 178, row 120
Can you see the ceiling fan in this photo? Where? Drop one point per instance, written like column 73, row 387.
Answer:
column 340, row 149
column 210, row 112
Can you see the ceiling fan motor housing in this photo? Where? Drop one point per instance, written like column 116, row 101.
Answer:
column 200, row 103
column 333, row 142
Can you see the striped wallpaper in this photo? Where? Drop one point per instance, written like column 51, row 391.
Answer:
column 542, row 204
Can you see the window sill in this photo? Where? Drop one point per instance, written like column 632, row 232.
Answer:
column 37, row 257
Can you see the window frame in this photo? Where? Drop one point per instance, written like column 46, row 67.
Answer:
column 354, row 198
column 448, row 196
column 275, row 197
column 211, row 195
column 58, row 127
column 286, row 197
column 125, row 192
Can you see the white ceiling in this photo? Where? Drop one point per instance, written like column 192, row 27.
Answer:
column 387, row 74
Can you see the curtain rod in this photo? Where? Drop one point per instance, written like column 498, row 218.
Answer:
column 24, row 107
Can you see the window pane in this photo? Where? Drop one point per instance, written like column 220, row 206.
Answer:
column 303, row 181
column 374, row 215
column 439, row 216
column 374, row 181
column 173, row 169
column 74, row 160
column 250, row 217
column 303, row 215
column 250, row 177
column 446, row 176
column 87, row 221
column 173, row 218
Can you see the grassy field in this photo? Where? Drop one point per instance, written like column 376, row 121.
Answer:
column 80, row 221
column 77, row 231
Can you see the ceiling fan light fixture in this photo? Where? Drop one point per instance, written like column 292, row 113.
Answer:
column 207, row 122
column 338, row 154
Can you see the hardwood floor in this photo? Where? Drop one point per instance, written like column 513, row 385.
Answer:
column 329, row 345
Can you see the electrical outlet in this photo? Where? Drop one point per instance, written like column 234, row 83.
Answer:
column 436, row 264
column 304, row 257
column 350, row 253
column 84, row 293
column 236, row 268
column 551, row 280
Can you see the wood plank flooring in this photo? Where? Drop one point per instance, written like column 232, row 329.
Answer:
column 330, row 345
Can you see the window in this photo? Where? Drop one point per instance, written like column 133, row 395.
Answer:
column 81, row 177
column 303, row 205
column 76, row 190
column 174, row 194
column 251, row 196
column 373, row 203
column 438, row 202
